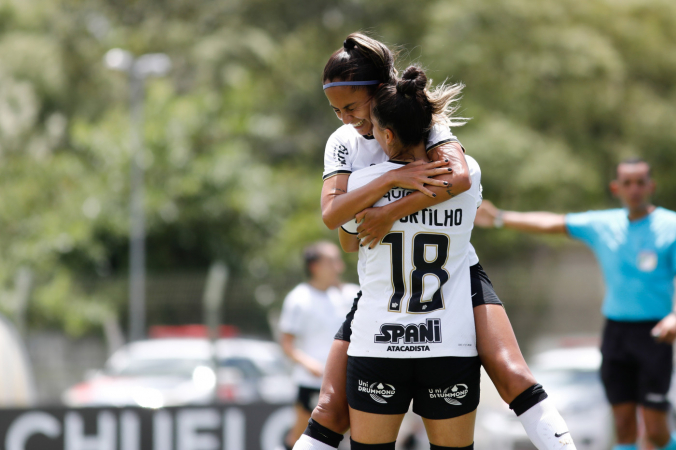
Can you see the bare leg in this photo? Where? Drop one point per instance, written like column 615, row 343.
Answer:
column 656, row 426
column 455, row 432
column 332, row 411
column 504, row 363
column 625, row 423
column 370, row 428
column 500, row 353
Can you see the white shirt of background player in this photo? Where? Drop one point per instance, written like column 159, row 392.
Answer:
column 313, row 316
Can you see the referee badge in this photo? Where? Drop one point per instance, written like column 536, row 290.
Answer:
column 647, row 260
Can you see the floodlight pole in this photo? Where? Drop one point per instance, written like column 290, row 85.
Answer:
column 137, row 69
column 137, row 235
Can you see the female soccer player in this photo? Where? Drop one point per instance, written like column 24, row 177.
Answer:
column 419, row 342
column 358, row 69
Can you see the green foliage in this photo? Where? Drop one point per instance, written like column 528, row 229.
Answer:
column 234, row 137
column 559, row 92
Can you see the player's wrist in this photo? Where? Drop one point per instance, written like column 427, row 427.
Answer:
column 390, row 212
column 390, row 179
column 499, row 220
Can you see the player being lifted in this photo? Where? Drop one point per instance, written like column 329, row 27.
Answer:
column 351, row 77
column 413, row 334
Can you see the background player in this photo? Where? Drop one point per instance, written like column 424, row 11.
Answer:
column 636, row 249
column 311, row 313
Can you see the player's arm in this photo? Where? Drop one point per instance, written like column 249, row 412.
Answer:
column 340, row 206
column 349, row 242
column 313, row 366
column 377, row 222
column 665, row 330
column 488, row 216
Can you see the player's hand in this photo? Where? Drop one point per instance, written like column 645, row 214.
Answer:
column 417, row 174
column 485, row 215
column 375, row 224
column 665, row 330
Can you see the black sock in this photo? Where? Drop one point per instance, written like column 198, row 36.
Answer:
column 528, row 398
column 354, row 445
column 318, row 431
column 439, row 447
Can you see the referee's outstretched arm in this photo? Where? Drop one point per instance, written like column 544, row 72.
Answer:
column 488, row 216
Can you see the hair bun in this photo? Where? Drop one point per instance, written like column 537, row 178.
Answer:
column 349, row 44
column 412, row 81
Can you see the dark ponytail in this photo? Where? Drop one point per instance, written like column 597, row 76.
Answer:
column 361, row 59
column 410, row 110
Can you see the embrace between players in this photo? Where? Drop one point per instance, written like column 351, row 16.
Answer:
column 427, row 316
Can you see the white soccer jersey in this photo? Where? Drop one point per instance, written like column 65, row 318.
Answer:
column 415, row 283
column 313, row 317
column 347, row 151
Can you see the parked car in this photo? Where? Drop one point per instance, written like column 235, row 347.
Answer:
column 180, row 371
column 571, row 378
column 17, row 384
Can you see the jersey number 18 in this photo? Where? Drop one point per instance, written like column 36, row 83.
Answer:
column 421, row 268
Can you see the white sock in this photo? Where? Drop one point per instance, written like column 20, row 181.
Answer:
column 546, row 428
column 307, row 443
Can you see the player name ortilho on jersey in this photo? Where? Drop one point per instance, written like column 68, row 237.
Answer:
column 429, row 217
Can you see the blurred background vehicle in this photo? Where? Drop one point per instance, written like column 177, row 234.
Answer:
column 17, row 386
column 571, row 378
column 180, row 371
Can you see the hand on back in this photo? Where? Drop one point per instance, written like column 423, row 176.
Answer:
column 417, row 174
column 375, row 224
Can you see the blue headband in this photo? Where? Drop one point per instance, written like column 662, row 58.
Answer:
column 352, row 83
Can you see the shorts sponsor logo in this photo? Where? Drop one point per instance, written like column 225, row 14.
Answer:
column 655, row 398
column 378, row 391
column 450, row 394
column 422, row 333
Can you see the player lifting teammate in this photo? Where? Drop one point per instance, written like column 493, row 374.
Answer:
column 359, row 68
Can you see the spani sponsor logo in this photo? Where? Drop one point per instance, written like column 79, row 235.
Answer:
column 378, row 391
column 450, row 394
column 422, row 333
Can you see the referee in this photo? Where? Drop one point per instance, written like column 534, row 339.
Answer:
column 636, row 249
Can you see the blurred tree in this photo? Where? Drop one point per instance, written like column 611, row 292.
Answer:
column 234, row 137
column 560, row 92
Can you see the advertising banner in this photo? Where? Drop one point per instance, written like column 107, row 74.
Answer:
column 217, row 427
